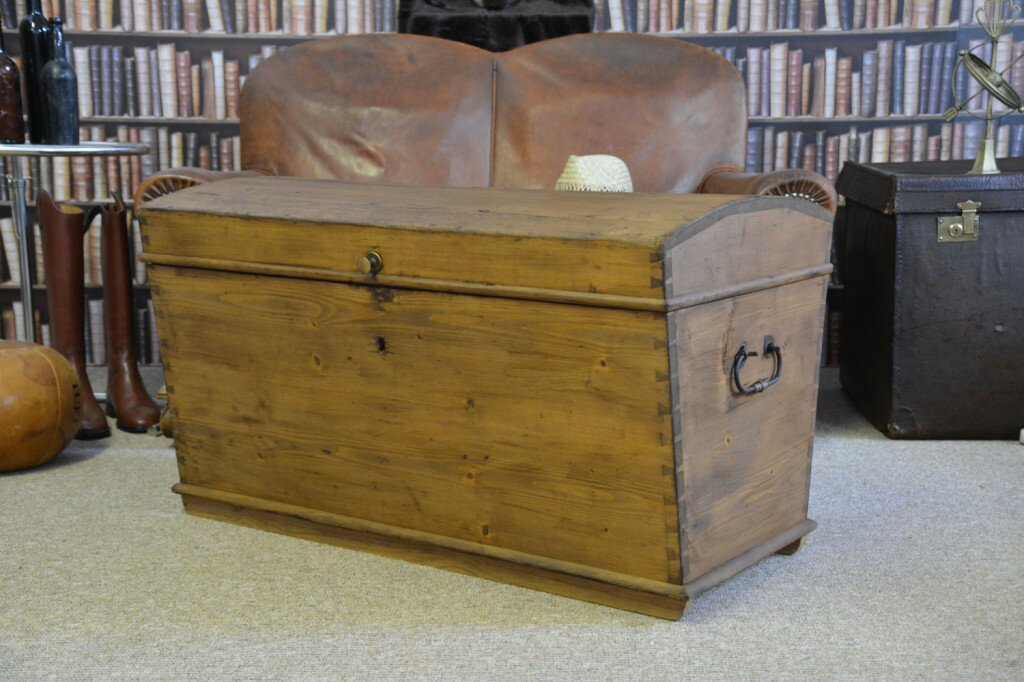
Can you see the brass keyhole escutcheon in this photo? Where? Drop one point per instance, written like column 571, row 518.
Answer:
column 370, row 264
column 956, row 230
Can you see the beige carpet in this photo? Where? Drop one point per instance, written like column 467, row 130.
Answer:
column 916, row 571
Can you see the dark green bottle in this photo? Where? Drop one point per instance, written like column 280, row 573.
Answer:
column 36, row 37
column 59, row 86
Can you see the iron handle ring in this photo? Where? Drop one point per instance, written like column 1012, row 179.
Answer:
column 761, row 384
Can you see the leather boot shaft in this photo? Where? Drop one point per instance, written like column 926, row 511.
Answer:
column 127, row 398
column 62, row 228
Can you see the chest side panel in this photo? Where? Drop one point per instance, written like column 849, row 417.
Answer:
column 744, row 459
column 541, row 428
column 958, row 330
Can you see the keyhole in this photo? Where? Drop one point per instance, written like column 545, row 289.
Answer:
column 382, row 345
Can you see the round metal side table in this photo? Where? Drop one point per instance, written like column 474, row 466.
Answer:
column 19, row 200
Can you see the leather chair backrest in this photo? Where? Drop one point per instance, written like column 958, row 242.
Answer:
column 401, row 110
column 412, row 110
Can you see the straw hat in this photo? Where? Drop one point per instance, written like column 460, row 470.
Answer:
column 595, row 173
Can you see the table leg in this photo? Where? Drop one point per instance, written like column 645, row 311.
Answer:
column 19, row 209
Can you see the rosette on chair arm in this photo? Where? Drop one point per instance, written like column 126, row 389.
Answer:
column 799, row 183
column 174, row 179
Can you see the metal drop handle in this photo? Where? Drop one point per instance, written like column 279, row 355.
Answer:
column 761, row 384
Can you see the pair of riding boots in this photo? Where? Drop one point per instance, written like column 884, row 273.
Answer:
column 63, row 231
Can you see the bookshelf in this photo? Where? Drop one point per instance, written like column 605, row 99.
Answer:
column 168, row 72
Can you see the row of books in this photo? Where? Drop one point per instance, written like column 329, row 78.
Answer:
column 895, row 78
column 291, row 17
column 771, row 149
column 92, row 179
column 315, row 17
column 10, row 266
column 742, row 16
column 159, row 81
column 147, row 344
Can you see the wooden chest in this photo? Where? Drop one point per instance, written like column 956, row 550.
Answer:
column 532, row 387
column 933, row 342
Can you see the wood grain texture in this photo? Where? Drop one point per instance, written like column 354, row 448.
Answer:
column 668, row 606
column 537, row 427
column 583, row 242
column 744, row 460
column 536, row 387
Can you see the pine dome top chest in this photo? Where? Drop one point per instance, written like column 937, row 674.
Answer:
column 605, row 396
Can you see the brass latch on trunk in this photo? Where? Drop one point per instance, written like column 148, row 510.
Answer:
column 961, row 228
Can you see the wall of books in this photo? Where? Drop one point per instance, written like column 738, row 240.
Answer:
column 827, row 81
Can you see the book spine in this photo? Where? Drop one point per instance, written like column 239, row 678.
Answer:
column 758, row 15
column 880, row 145
column 167, row 61
column 197, row 91
column 949, row 58
column 117, row 80
column 911, row 79
column 921, row 15
column 793, row 84
column 96, row 335
column 141, row 16
column 883, row 89
column 214, row 16
column 341, row 15
column 844, row 71
column 796, row 149
column 177, row 143
column 919, row 142
column 142, row 82
column 859, row 11
column 935, row 80
column 191, row 18
column 156, row 98
column 183, row 77
column 227, row 14
column 855, row 93
column 924, row 78
column 723, row 8
column 95, row 79
column 742, row 15
column 320, row 16
column 231, row 88
column 768, row 147
column 781, row 152
column 10, row 242
column 898, row 64
column 779, row 65
column 831, row 14
column 220, row 102
column 106, row 14
column 831, row 59
column 130, row 106
column 754, row 58
column 899, row 144
column 37, row 236
column 82, row 66
column 106, row 80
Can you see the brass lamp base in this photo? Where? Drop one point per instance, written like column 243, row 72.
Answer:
column 985, row 162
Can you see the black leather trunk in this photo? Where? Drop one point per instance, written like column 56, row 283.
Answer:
column 933, row 340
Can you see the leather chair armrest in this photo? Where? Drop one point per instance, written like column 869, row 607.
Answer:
column 173, row 179
column 792, row 183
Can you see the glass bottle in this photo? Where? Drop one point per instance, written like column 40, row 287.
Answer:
column 12, row 122
column 59, row 86
column 35, row 52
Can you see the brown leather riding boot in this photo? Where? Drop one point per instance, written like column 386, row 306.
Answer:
column 63, row 231
column 127, row 399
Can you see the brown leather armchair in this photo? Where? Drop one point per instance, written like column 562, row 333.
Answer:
column 413, row 110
